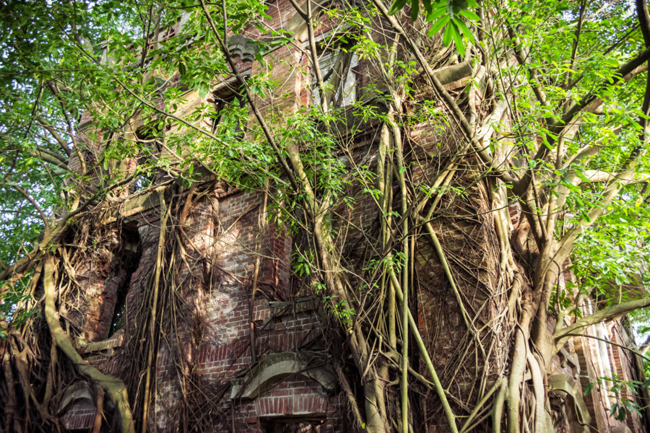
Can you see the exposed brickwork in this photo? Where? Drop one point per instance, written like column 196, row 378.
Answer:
column 223, row 235
column 80, row 417
column 226, row 330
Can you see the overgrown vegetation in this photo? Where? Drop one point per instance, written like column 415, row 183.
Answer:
column 550, row 118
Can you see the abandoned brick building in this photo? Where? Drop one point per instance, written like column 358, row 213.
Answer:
column 258, row 350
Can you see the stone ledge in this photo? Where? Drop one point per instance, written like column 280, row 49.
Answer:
column 117, row 340
column 300, row 305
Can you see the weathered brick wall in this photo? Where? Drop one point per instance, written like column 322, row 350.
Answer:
column 80, row 417
column 226, row 331
column 623, row 363
column 223, row 240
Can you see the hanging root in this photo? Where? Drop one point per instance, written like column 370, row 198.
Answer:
column 111, row 385
column 97, row 425
column 497, row 407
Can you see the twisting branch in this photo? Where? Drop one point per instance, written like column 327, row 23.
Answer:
column 449, row 101
column 45, row 155
column 49, row 128
column 31, row 200
column 114, row 387
column 602, row 316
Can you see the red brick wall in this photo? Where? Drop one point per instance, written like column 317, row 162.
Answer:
column 218, row 288
column 80, row 417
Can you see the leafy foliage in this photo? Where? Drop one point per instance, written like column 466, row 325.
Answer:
column 447, row 15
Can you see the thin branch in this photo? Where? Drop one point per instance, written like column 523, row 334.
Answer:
column 47, row 126
column 606, row 176
column 54, row 89
column 603, row 315
column 49, row 157
column 451, row 418
column 31, row 200
column 618, row 76
column 523, row 61
column 559, row 127
column 612, row 343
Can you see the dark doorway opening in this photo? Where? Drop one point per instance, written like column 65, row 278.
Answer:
column 295, row 425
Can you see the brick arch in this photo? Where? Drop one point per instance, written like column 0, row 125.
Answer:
column 276, row 367
column 77, row 407
column 307, row 406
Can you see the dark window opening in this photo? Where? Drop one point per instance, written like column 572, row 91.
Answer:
column 339, row 68
column 130, row 254
column 230, row 112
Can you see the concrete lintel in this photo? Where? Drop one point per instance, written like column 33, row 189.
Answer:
column 276, row 367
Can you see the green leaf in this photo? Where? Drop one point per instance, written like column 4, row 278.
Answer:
column 446, row 37
column 203, row 90
column 415, row 9
column 463, row 28
column 427, row 5
column 436, row 13
column 438, row 25
column 582, row 176
column 396, row 7
column 588, row 388
column 621, row 413
column 458, row 40
column 469, row 15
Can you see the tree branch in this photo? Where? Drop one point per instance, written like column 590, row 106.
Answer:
column 467, row 129
column 558, row 129
column 49, row 157
column 31, row 200
column 626, row 69
column 640, row 353
column 603, row 315
column 48, row 126
column 606, row 176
